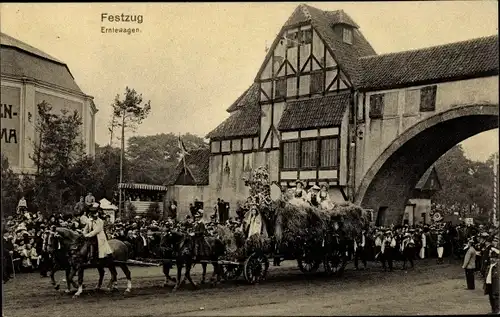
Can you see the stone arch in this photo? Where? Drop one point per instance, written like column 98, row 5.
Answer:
column 390, row 179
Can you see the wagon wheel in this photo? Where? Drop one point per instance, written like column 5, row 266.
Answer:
column 231, row 271
column 255, row 268
column 334, row 263
column 308, row 265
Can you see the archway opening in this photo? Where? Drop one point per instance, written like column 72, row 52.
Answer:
column 389, row 182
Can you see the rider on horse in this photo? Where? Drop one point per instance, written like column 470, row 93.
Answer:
column 97, row 241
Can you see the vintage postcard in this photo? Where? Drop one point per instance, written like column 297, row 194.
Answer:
column 280, row 158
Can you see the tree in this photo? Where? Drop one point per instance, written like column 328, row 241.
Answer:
column 128, row 113
column 10, row 187
column 59, row 147
column 464, row 182
column 152, row 158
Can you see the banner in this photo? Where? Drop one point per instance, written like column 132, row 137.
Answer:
column 10, row 112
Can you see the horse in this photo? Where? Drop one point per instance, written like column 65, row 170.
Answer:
column 182, row 247
column 59, row 259
column 74, row 242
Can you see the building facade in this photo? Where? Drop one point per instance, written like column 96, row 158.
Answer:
column 29, row 77
column 322, row 108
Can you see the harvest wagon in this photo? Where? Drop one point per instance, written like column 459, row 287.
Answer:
column 289, row 230
column 284, row 228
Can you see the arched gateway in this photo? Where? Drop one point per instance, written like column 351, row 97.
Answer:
column 390, row 179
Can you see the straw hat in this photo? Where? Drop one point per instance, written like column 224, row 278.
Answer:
column 315, row 187
column 299, row 182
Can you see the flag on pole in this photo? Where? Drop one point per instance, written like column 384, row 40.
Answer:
column 184, row 151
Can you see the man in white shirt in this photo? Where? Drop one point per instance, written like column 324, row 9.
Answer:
column 388, row 245
column 359, row 250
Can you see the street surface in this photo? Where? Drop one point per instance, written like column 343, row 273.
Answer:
column 428, row 289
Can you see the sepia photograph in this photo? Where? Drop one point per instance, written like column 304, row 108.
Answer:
column 250, row 158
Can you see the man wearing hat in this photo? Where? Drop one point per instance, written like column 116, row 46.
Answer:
column 201, row 247
column 387, row 250
column 485, row 260
column 407, row 249
column 312, row 196
column 94, row 231
column 470, row 264
column 491, row 284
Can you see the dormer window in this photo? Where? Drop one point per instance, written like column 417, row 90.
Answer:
column 347, row 35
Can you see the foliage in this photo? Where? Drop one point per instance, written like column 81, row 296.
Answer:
column 153, row 212
column 57, row 154
column 107, row 166
column 151, row 158
column 464, row 183
column 10, row 188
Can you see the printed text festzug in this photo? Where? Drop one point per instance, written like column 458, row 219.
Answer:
column 121, row 18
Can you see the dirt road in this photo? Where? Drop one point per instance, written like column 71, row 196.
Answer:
column 428, row 289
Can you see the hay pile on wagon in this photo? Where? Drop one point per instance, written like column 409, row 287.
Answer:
column 296, row 225
column 291, row 224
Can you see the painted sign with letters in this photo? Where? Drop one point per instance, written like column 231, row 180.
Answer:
column 10, row 112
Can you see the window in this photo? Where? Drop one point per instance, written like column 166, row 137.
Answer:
column 317, row 83
column 247, row 162
column 428, row 98
column 306, row 37
column 280, row 88
column 290, row 151
column 347, row 35
column 329, row 152
column 376, row 106
column 309, row 153
column 292, row 39
column 311, row 156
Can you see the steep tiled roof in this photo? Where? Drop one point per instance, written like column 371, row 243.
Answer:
column 340, row 17
column 245, row 98
column 456, row 60
column 244, row 119
column 197, row 163
column 347, row 55
column 314, row 113
column 22, row 60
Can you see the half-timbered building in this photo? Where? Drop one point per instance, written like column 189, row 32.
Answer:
column 324, row 107
column 294, row 117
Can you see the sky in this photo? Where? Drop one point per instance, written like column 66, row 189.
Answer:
column 193, row 60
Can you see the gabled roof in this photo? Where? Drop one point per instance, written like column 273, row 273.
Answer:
column 244, row 119
column 22, row 60
column 472, row 58
column 197, row 165
column 320, row 112
column 423, row 183
column 346, row 55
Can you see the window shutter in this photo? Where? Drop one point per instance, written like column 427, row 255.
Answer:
column 281, row 88
column 428, row 98
column 317, row 83
column 376, row 106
